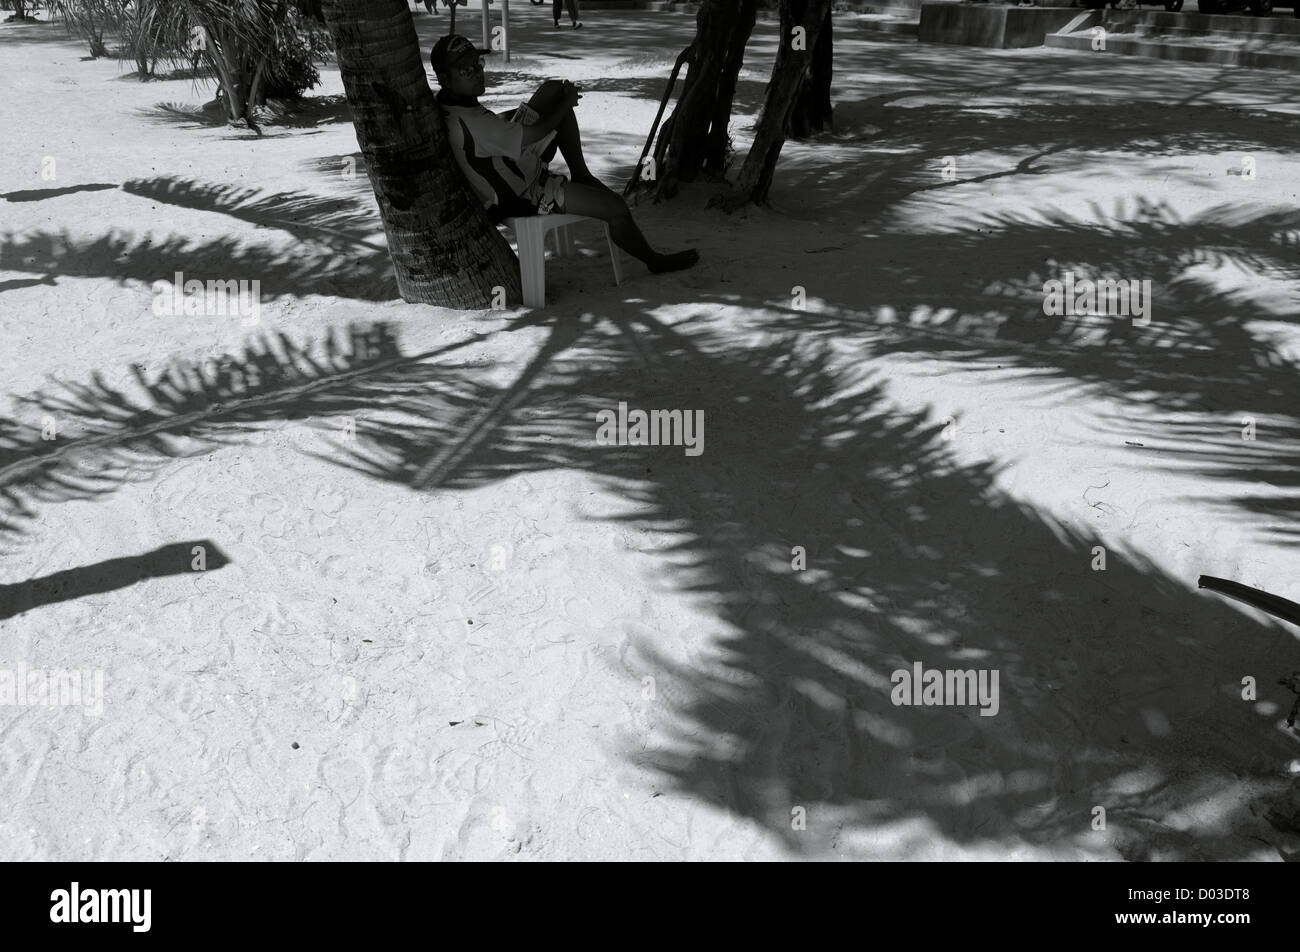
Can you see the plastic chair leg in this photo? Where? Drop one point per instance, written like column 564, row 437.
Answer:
column 532, row 262
column 613, row 256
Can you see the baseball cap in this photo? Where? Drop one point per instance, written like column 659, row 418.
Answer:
column 452, row 49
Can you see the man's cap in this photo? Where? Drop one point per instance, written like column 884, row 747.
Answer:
column 452, row 49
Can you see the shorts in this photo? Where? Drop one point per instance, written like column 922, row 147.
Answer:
column 547, row 193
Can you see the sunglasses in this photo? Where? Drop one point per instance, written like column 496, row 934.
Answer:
column 477, row 67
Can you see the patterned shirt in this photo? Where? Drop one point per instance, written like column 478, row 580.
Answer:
column 490, row 151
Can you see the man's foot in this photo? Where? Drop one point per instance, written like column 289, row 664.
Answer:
column 557, row 24
column 662, row 264
column 577, row 24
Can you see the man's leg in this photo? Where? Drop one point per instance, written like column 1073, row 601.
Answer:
column 549, row 95
column 556, row 6
column 587, row 195
column 568, row 137
column 600, row 202
column 568, row 140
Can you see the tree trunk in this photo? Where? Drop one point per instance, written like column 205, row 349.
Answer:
column 222, row 55
column 445, row 250
column 256, row 89
column 812, row 105
column 717, row 151
column 696, row 132
column 787, row 75
column 263, row 52
column 138, row 32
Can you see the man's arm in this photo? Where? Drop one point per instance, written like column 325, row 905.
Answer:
column 546, row 125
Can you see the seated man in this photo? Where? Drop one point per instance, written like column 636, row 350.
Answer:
column 504, row 156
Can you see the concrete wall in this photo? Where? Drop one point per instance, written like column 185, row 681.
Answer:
column 999, row 27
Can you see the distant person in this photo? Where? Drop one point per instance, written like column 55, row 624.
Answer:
column 505, row 156
column 573, row 12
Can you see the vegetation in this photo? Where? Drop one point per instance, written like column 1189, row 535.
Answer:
column 255, row 49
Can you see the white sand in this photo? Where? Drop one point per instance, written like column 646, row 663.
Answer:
column 463, row 669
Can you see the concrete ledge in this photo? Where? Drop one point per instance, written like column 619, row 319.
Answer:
column 1219, row 56
column 997, row 27
column 885, row 24
column 1214, row 25
column 910, row 8
column 657, row 5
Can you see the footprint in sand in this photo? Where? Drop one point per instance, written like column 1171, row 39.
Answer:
column 329, row 501
column 345, row 778
column 487, row 832
column 335, row 568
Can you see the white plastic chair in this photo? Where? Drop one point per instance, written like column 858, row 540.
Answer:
column 531, row 234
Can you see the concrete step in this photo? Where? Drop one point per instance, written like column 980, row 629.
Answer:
column 898, row 24
column 1261, row 41
column 1183, row 50
column 1286, row 25
column 1143, row 31
column 996, row 25
column 912, row 7
column 657, row 5
column 516, row 6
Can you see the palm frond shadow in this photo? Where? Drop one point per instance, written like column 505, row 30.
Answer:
column 351, row 167
column 309, row 112
column 79, row 441
column 330, row 221
column 124, row 256
column 211, row 114
column 343, row 261
column 974, row 297
column 1258, row 449
column 912, row 140
column 911, row 557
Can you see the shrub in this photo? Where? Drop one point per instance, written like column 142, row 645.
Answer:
column 255, row 49
column 299, row 48
column 88, row 19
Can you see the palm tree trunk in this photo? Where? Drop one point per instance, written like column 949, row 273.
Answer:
column 263, row 51
column 255, row 95
column 445, row 250
column 228, row 73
